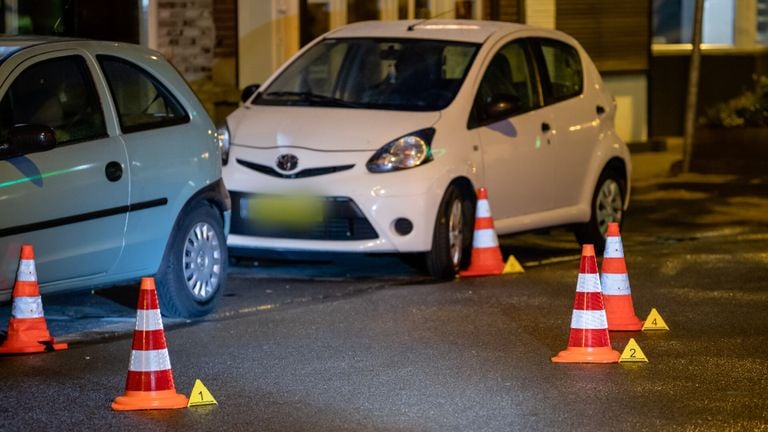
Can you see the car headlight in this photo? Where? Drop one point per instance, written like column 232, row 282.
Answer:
column 405, row 152
column 222, row 136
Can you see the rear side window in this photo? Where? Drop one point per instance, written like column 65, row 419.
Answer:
column 58, row 93
column 142, row 102
column 564, row 76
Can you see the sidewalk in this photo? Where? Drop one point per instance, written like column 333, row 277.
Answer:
column 654, row 165
column 665, row 201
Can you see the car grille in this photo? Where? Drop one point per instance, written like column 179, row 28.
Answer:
column 309, row 172
column 342, row 220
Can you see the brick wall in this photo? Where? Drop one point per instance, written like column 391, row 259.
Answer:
column 186, row 35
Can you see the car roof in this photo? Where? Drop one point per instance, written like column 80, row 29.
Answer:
column 12, row 44
column 472, row 31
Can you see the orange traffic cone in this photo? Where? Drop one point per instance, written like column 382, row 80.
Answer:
column 486, row 256
column 150, row 379
column 27, row 329
column 615, row 283
column 589, row 341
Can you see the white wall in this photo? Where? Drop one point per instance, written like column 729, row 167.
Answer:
column 631, row 94
column 255, row 41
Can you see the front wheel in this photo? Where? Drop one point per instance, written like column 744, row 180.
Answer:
column 192, row 275
column 607, row 206
column 452, row 237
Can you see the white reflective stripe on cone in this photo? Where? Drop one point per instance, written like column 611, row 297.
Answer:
column 615, row 284
column 149, row 361
column 613, row 248
column 483, row 209
column 485, row 238
column 590, row 320
column 27, row 272
column 149, row 320
column 588, row 282
column 27, row 307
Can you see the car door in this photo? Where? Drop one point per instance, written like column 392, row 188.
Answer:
column 572, row 115
column 163, row 153
column 70, row 203
column 513, row 135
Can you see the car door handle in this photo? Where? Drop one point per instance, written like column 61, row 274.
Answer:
column 545, row 127
column 600, row 110
column 113, row 171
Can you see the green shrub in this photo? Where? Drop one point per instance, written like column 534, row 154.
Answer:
column 749, row 109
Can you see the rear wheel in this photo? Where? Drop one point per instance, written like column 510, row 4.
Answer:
column 191, row 277
column 452, row 237
column 607, row 206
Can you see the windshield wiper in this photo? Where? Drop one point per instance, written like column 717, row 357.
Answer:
column 306, row 96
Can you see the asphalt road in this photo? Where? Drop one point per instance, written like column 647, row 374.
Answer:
column 367, row 344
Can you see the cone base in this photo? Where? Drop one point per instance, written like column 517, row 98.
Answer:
column 490, row 271
column 146, row 400
column 587, row 355
column 34, row 347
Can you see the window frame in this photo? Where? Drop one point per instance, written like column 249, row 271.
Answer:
column 159, row 86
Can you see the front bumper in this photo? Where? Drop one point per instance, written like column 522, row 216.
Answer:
column 351, row 223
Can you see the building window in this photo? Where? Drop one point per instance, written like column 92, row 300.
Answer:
column 94, row 19
column 314, row 19
column 673, row 21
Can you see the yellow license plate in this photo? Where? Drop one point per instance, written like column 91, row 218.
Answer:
column 286, row 210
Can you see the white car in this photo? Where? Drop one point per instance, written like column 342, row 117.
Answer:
column 375, row 137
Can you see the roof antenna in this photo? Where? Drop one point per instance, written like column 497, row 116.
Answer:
column 411, row 27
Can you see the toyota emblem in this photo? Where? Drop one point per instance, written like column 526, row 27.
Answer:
column 287, row 162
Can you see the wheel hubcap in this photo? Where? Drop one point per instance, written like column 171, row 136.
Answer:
column 455, row 232
column 608, row 205
column 202, row 261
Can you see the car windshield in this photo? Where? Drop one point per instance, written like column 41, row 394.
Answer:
column 396, row 74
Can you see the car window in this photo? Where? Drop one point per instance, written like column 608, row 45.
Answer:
column 398, row 74
column 142, row 102
column 508, row 80
column 563, row 70
column 58, row 93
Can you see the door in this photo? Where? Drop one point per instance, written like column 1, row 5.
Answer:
column 572, row 113
column 514, row 135
column 70, row 202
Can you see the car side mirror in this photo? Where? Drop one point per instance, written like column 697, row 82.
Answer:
column 502, row 106
column 248, row 91
column 25, row 139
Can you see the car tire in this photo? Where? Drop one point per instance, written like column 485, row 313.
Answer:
column 607, row 205
column 452, row 236
column 192, row 275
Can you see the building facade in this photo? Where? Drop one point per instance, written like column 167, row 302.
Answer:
column 639, row 46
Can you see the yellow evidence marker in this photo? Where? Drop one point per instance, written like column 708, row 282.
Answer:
column 200, row 395
column 513, row 266
column 654, row 321
column 632, row 353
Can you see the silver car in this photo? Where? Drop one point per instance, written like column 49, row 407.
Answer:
column 111, row 169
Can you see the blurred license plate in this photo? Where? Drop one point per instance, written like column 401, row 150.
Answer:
column 286, row 210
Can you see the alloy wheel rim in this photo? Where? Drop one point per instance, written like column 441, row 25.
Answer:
column 608, row 205
column 455, row 232
column 202, row 261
